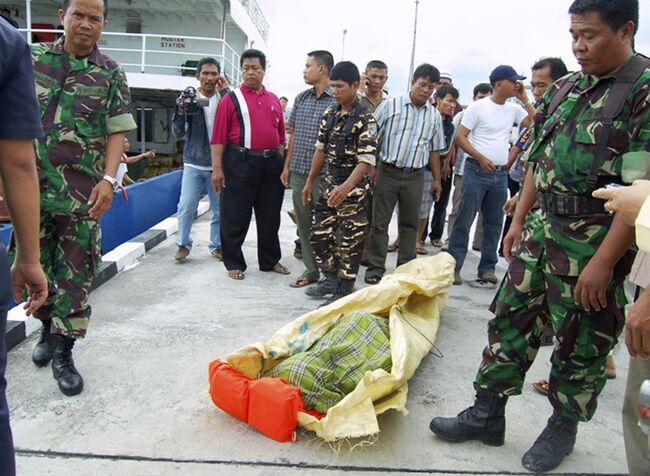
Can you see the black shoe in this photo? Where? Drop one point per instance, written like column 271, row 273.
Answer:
column 63, row 369
column 345, row 287
column 552, row 445
column 484, row 421
column 328, row 285
column 42, row 353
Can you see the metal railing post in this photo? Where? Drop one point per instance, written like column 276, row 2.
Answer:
column 144, row 53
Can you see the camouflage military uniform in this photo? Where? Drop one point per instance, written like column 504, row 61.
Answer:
column 337, row 234
column 82, row 102
column 555, row 248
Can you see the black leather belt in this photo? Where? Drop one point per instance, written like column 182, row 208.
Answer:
column 497, row 167
column 266, row 153
column 401, row 169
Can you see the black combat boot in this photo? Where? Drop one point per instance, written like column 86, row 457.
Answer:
column 345, row 287
column 63, row 369
column 328, row 285
column 42, row 353
column 552, row 445
column 484, row 421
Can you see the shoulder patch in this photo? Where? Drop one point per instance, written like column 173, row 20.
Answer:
column 372, row 129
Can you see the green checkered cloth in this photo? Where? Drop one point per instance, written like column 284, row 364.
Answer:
column 357, row 343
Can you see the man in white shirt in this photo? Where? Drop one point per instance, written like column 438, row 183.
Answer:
column 196, row 123
column 485, row 179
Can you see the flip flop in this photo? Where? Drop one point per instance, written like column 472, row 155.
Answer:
column 280, row 269
column 420, row 249
column 541, row 387
column 303, row 281
column 236, row 274
column 392, row 248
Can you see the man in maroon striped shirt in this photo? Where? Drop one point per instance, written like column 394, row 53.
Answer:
column 247, row 158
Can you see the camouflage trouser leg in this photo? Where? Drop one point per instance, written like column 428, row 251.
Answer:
column 526, row 299
column 70, row 255
column 338, row 234
column 582, row 342
column 514, row 334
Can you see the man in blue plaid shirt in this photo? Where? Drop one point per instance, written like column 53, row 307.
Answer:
column 308, row 108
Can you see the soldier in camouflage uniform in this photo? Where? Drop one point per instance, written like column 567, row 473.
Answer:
column 346, row 146
column 572, row 258
column 85, row 109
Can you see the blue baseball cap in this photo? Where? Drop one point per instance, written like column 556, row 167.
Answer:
column 505, row 71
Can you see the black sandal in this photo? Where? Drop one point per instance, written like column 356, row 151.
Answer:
column 372, row 279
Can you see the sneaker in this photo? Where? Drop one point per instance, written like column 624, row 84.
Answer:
column 328, row 285
column 345, row 287
column 480, row 284
column 217, row 254
column 488, row 276
column 181, row 253
column 457, row 279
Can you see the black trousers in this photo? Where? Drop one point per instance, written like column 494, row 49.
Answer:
column 7, row 462
column 513, row 187
column 439, row 211
column 252, row 183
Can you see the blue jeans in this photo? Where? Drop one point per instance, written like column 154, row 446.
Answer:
column 486, row 192
column 195, row 183
column 7, row 462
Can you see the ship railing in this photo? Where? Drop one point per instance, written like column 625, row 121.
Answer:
column 158, row 53
column 257, row 16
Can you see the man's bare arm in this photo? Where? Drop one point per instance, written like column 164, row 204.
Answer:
column 527, row 198
column 284, row 177
column 218, row 179
column 18, row 170
column 462, row 139
column 317, row 164
column 101, row 196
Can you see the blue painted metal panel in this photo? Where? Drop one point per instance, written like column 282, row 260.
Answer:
column 149, row 202
column 5, row 231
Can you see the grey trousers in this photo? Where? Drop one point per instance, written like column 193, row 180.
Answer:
column 303, row 220
column 393, row 186
column 636, row 442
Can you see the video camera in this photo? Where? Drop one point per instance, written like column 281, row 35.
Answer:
column 190, row 101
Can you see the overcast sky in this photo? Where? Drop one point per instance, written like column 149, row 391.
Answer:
column 466, row 37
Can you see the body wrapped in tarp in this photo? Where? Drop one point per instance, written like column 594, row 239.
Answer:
column 411, row 299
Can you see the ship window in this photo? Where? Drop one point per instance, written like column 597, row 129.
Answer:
column 191, row 64
column 134, row 26
column 144, row 120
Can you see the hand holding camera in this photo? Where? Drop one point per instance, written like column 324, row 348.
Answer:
column 189, row 102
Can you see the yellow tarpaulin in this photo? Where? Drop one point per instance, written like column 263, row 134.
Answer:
column 412, row 298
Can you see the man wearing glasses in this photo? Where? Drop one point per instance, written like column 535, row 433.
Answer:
column 247, row 160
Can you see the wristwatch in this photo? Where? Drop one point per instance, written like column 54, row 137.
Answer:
column 109, row 179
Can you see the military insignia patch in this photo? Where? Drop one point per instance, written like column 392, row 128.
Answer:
column 372, row 129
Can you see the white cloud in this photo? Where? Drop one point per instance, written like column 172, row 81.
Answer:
column 467, row 37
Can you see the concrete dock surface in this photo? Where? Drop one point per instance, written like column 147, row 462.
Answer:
column 145, row 409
